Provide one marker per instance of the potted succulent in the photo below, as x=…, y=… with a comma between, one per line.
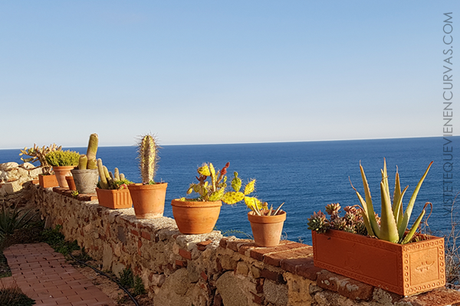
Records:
x=266, y=223
x=149, y=196
x=112, y=191
x=86, y=174
x=382, y=252
x=47, y=178
x=199, y=215
x=62, y=162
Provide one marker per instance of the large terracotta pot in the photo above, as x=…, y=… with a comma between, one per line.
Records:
x=85, y=180
x=403, y=269
x=61, y=172
x=119, y=198
x=267, y=229
x=195, y=217
x=148, y=200
x=47, y=181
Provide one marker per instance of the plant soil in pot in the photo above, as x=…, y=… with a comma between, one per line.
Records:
x=85, y=180
x=195, y=217
x=267, y=229
x=148, y=200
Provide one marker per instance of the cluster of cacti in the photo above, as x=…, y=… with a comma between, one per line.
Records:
x=351, y=222
x=148, y=158
x=88, y=160
x=109, y=180
x=210, y=191
x=62, y=158
x=393, y=222
x=38, y=154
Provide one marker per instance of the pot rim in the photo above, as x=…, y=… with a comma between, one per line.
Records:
x=186, y=203
x=266, y=219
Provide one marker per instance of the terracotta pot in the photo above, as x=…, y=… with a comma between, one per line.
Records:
x=85, y=180
x=70, y=182
x=119, y=198
x=267, y=229
x=61, y=172
x=47, y=181
x=148, y=200
x=403, y=269
x=195, y=217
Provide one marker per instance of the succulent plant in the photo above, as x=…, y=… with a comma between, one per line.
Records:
x=109, y=180
x=213, y=190
x=88, y=160
x=148, y=158
x=351, y=222
x=38, y=154
x=393, y=222
x=62, y=158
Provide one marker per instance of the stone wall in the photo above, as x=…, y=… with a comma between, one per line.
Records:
x=209, y=269
x=15, y=182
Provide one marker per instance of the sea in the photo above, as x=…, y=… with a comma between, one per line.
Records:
x=305, y=176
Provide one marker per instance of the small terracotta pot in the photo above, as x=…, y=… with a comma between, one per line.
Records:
x=195, y=217
x=267, y=229
x=85, y=180
x=70, y=182
x=47, y=181
x=119, y=198
x=61, y=172
x=148, y=200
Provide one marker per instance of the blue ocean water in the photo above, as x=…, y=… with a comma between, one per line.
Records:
x=305, y=175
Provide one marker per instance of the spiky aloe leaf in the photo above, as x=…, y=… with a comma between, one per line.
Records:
x=403, y=226
x=252, y=202
x=416, y=224
x=236, y=182
x=249, y=188
x=232, y=197
x=388, y=227
x=368, y=203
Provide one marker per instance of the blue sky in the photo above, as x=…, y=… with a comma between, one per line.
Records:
x=195, y=72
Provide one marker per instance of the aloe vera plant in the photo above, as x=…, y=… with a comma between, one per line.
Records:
x=393, y=222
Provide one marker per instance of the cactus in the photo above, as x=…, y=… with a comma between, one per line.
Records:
x=351, y=222
x=213, y=190
x=39, y=154
x=148, y=158
x=89, y=161
x=109, y=181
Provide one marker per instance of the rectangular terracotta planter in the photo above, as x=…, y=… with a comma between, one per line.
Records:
x=114, y=198
x=403, y=269
x=47, y=181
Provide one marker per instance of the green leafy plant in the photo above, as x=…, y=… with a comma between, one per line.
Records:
x=109, y=180
x=56, y=240
x=12, y=219
x=393, y=224
x=39, y=154
x=88, y=160
x=13, y=296
x=138, y=286
x=63, y=158
x=126, y=278
x=148, y=158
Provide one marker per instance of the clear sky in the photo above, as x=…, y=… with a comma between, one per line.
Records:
x=196, y=72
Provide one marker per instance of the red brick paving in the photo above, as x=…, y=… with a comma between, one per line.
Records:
x=45, y=276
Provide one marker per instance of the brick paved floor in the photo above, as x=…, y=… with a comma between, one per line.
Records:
x=45, y=276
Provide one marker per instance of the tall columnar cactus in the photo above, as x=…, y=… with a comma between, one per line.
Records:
x=109, y=180
x=89, y=161
x=148, y=158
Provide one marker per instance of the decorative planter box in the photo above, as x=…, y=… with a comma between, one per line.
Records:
x=114, y=198
x=403, y=269
x=47, y=181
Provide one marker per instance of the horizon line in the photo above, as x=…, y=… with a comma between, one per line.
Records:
x=261, y=142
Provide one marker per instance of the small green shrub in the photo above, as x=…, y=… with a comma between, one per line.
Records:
x=138, y=286
x=57, y=241
x=12, y=219
x=126, y=278
x=63, y=158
